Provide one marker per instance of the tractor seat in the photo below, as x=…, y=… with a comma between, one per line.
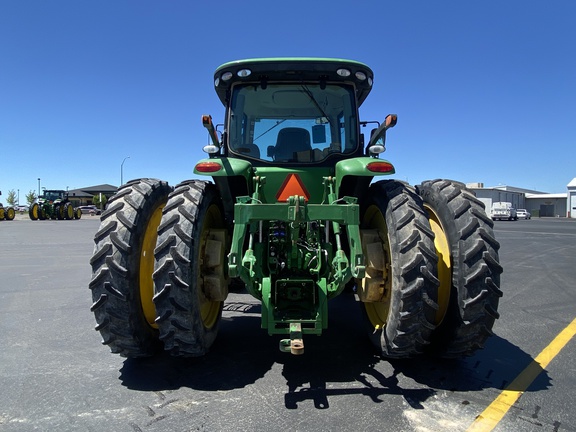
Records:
x=291, y=141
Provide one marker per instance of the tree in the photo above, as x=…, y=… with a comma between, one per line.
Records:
x=30, y=197
x=100, y=202
x=11, y=198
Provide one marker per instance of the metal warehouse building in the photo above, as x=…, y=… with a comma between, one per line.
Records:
x=572, y=199
x=539, y=204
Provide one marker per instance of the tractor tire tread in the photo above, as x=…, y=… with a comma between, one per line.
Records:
x=179, y=322
x=410, y=320
x=116, y=304
x=475, y=270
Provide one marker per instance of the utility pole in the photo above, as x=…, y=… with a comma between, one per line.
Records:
x=122, y=170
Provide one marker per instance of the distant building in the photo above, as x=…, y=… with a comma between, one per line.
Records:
x=538, y=203
x=83, y=196
x=547, y=205
x=489, y=195
x=572, y=199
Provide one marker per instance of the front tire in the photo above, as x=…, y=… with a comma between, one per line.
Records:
x=401, y=322
x=469, y=268
x=189, y=278
x=122, y=266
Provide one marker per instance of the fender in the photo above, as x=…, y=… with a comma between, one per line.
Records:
x=362, y=167
x=229, y=167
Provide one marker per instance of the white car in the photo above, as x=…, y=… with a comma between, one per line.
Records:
x=523, y=214
x=90, y=209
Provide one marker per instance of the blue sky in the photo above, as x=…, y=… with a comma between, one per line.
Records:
x=485, y=91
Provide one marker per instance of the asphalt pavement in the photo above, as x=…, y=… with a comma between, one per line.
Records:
x=56, y=375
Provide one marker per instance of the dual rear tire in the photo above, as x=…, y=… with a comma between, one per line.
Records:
x=444, y=272
x=147, y=281
x=158, y=278
x=61, y=211
x=7, y=213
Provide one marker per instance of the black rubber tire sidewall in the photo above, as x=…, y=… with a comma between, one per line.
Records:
x=9, y=213
x=177, y=265
x=115, y=265
x=414, y=266
x=476, y=271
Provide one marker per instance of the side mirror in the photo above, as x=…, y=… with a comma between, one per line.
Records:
x=377, y=141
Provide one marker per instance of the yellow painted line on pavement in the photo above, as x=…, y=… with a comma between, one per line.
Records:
x=492, y=415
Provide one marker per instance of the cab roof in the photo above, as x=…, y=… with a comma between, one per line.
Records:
x=293, y=69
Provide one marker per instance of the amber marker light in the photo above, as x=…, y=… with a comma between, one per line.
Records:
x=381, y=167
x=391, y=120
x=208, y=167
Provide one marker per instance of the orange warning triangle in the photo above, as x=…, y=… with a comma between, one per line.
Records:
x=292, y=186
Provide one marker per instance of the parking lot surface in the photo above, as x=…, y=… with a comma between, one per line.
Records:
x=55, y=374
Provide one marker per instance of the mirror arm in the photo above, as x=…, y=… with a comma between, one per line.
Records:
x=390, y=122
x=207, y=123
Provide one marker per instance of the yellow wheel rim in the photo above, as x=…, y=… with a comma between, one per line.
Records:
x=209, y=310
x=35, y=211
x=377, y=312
x=147, y=266
x=444, y=264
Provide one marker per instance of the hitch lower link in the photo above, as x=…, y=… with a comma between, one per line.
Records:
x=294, y=345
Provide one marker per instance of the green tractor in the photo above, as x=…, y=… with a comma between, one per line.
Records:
x=7, y=213
x=54, y=204
x=295, y=212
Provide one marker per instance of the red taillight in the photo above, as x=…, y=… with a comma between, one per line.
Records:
x=381, y=167
x=208, y=167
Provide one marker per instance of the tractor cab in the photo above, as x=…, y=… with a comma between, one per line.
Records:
x=53, y=195
x=297, y=111
x=292, y=121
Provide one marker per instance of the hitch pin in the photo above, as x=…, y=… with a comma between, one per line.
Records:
x=294, y=345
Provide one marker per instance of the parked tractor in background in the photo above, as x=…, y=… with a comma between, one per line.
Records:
x=54, y=204
x=7, y=213
x=294, y=211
